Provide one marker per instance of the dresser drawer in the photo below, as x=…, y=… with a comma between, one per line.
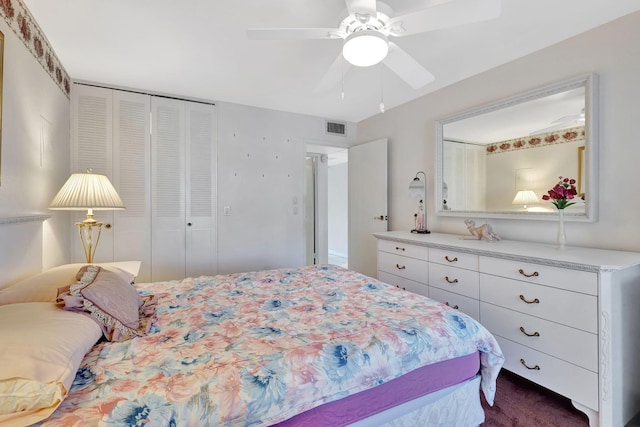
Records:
x=573, y=280
x=410, y=268
x=404, y=283
x=568, y=308
x=464, y=304
x=564, y=378
x=455, y=259
x=458, y=280
x=404, y=249
x=569, y=344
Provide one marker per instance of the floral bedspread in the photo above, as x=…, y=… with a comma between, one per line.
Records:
x=253, y=349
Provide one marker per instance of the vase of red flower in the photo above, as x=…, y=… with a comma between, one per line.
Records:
x=561, y=239
x=562, y=195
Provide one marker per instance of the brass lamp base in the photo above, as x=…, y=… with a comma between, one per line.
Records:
x=86, y=230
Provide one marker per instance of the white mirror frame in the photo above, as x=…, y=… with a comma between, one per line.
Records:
x=589, y=82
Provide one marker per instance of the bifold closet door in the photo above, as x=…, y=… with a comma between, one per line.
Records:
x=132, y=179
x=92, y=148
x=168, y=143
x=201, y=254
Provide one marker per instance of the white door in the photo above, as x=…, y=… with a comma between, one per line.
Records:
x=167, y=189
x=367, y=203
x=200, y=192
x=132, y=179
x=92, y=149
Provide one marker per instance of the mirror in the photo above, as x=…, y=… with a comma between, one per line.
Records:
x=498, y=160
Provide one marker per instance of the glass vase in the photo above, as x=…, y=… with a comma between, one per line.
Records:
x=562, y=237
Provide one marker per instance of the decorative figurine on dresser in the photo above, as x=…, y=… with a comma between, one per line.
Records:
x=477, y=233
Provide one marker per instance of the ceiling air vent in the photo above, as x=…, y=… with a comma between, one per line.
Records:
x=336, y=128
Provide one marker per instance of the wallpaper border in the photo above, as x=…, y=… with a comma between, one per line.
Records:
x=535, y=141
x=20, y=20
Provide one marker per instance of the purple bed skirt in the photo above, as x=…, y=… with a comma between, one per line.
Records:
x=410, y=386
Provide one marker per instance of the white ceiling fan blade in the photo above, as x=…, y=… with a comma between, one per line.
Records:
x=293, y=33
x=445, y=15
x=407, y=68
x=362, y=7
x=333, y=77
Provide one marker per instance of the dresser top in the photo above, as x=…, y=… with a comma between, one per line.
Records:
x=571, y=257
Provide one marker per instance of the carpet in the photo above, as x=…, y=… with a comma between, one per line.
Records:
x=521, y=403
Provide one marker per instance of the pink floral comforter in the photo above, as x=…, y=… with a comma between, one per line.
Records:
x=253, y=349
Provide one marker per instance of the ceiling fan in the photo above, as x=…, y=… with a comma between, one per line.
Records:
x=367, y=30
x=563, y=122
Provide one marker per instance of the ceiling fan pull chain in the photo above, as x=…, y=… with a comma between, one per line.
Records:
x=381, y=89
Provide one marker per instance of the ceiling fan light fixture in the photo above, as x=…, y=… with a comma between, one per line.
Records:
x=365, y=48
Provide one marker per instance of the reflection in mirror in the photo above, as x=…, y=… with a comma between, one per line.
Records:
x=499, y=160
x=1, y=72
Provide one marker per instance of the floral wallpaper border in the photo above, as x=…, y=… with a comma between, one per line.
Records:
x=20, y=20
x=536, y=141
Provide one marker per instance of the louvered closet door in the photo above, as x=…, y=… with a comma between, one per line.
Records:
x=92, y=148
x=167, y=189
x=201, y=190
x=132, y=179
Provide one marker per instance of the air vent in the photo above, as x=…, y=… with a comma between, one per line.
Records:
x=336, y=128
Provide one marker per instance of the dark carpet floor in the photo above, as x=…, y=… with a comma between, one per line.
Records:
x=521, y=403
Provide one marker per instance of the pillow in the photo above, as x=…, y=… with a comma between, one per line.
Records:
x=42, y=348
x=43, y=287
x=113, y=303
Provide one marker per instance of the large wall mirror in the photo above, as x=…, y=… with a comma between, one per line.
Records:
x=498, y=160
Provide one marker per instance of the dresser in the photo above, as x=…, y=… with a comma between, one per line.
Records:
x=565, y=319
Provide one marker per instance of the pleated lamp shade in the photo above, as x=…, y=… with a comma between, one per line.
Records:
x=87, y=191
x=525, y=197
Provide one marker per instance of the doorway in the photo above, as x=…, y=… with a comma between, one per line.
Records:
x=326, y=205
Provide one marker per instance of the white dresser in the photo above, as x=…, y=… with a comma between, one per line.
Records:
x=566, y=319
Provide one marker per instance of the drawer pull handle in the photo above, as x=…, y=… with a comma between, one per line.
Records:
x=535, y=334
x=449, y=259
x=535, y=368
x=399, y=267
x=452, y=306
x=534, y=301
x=449, y=280
x=398, y=286
x=534, y=274
x=400, y=249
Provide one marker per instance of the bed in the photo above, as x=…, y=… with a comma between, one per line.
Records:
x=318, y=345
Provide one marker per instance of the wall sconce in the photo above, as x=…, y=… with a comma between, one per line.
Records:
x=525, y=197
x=417, y=188
x=87, y=191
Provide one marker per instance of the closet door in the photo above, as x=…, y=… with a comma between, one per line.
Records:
x=201, y=190
x=92, y=128
x=167, y=189
x=132, y=179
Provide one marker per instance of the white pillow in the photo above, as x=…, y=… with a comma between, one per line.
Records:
x=42, y=348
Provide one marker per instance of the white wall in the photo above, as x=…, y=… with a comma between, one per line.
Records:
x=35, y=156
x=611, y=51
x=261, y=176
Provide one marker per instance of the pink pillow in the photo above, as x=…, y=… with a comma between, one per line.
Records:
x=112, y=302
x=43, y=287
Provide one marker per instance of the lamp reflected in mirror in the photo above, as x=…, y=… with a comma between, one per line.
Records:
x=524, y=198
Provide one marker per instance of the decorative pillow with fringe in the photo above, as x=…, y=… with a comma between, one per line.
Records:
x=112, y=302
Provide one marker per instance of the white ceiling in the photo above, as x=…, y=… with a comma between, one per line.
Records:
x=199, y=48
